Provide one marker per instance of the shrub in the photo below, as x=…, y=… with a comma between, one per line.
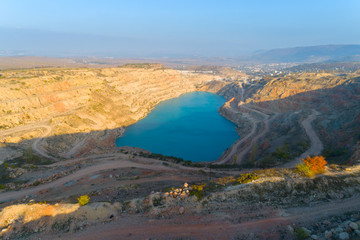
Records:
x=2, y=186
x=247, y=177
x=198, y=191
x=36, y=183
x=225, y=180
x=243, y=178
x=83, y=200
x=301, y=234
x=198, y=187
x=305, y=170
x=316, y=164
x=312, y=166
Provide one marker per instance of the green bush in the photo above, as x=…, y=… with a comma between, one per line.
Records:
x=301, y=234
x=247, y=177
x=282, y=152
x=198, y=191
x=2, y=186
x=36, y=183
x=304, y=170
x=83, y=200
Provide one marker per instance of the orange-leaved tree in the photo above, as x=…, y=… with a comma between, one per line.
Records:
x=316, y=164
x=312, y=166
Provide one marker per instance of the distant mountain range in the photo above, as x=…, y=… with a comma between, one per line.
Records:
x=311, y=54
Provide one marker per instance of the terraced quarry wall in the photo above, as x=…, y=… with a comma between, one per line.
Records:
x=277, y=107
x=72, y=102
x=82, y=111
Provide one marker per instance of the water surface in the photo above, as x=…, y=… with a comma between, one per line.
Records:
x=188, y=127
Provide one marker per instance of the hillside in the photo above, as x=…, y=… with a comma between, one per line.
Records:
x=272, y=114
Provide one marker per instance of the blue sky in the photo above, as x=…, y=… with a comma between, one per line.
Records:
x=135, y=28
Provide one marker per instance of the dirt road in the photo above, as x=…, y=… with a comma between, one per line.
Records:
x=229, y=156
x=236, y=147
x=36, y=146
x=316, y=144
x=223, y=225
x=11, y=195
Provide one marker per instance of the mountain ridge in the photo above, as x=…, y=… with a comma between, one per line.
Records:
x=308, y=54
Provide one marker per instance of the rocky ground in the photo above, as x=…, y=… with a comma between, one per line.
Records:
x=148, y=198
x=345, y=227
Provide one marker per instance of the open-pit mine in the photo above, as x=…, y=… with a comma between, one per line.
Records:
x=62, y=176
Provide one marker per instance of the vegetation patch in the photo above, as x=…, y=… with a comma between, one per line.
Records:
x=247, y=177
x=312, y=166
x=198, y=191
x=301, y=234
x=83, y=200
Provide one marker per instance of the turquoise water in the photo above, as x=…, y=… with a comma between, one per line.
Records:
x=188, y=127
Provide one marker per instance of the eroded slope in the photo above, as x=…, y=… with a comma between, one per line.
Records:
x=73, y=102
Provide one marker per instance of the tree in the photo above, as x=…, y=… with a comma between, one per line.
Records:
x=312, y=166
x=316, y=164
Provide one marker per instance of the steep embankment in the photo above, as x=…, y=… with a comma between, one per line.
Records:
x=78, y=101
x=277, y=108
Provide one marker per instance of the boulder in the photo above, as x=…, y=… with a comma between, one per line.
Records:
x=328, y=234
x=353, y=226
x=315, y=237
x=343, y=236
x=339, y=229
x=118, y=206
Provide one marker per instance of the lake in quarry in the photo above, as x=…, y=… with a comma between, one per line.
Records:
x=187, y=127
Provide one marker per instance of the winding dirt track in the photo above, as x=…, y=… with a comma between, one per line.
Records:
x=36, y=144
x=76, y=147
x=235, y=148
x=316, y=144
x=259, y=135
x=8, y=196
x=103, y=162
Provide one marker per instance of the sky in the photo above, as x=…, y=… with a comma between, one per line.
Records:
x=169, y=28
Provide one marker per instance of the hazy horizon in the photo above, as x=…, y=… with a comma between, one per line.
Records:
x=172, y=29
